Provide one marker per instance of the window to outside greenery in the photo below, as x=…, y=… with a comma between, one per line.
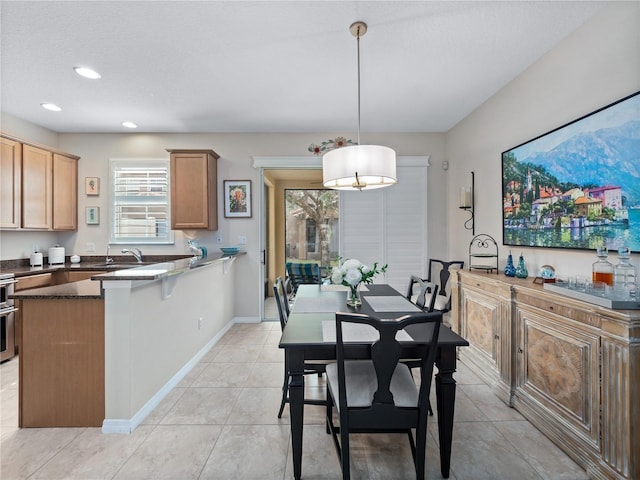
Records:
x=311, y=225
x=141, y=200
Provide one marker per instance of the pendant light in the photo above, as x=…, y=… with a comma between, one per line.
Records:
x=359, y=167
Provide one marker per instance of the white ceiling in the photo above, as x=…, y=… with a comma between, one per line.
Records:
x=267, y=66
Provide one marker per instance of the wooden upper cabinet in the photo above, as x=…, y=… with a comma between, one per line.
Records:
x=65, y=193
x=10, y=183
x=37, y=186
x=194, y=192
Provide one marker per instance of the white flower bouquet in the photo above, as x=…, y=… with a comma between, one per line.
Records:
x=351, y=274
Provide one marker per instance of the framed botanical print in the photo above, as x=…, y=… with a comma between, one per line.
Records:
x=92, y=215
x=237, y=198
x=92, y=185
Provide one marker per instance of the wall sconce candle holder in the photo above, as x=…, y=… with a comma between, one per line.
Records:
x=467, y=202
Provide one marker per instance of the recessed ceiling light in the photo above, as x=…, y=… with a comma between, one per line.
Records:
x=87, y=72
x=129, y=125
x=51, y=106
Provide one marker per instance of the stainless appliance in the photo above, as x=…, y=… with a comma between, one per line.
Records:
x=7, y=320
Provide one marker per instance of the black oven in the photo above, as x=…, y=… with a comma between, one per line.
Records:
x=7, y=317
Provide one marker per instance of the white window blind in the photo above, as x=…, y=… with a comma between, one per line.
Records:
x=141, y=201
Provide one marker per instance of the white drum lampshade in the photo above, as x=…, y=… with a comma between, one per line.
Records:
x=359, y=167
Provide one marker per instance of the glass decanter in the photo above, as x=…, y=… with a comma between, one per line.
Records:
x=624, y=273
x=602, y=270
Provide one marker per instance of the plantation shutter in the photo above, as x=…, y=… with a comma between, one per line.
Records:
x=389, y=225
x=141, y=201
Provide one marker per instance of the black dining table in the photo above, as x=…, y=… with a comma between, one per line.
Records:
x=303, y=339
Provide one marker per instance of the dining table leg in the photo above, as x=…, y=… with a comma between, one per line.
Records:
x=295, y=359
x=446, y=398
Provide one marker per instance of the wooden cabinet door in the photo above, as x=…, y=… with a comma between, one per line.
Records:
x=481, y=324
x=484, y=306
x=10, y=183
x=36, y=188
x=558, y=372
x=65, y=193
x=194, y=194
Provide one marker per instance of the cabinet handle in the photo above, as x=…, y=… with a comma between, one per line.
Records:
x=496, y=336
x=550, y=307
x=520, y=350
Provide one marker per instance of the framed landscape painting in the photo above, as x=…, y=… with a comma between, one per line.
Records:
x=577, y=186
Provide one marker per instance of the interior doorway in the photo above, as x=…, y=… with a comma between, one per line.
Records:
x=273, y=224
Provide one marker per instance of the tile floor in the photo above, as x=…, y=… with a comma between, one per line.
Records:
x=220, y=423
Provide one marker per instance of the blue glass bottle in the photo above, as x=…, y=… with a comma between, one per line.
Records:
x=509, y=269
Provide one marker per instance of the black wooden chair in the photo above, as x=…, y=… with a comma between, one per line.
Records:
x=299, y=273
x=422, y=292
x=440, y=273
x=311, y=367
x=284, y=300
x=380, y=395
x=425, y=298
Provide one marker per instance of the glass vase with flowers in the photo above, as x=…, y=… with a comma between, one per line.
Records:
x=352, y=273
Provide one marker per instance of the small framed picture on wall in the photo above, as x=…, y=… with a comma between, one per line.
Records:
x=92, y=185
x=237, y=198
x=93, y=215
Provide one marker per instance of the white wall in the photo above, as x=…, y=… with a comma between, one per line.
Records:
x=236, y=152
x=596, y=65
x=28, y=131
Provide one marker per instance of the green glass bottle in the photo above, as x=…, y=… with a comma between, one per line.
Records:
x=521, y=270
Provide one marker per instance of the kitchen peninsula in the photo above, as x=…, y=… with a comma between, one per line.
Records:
x=105, y=351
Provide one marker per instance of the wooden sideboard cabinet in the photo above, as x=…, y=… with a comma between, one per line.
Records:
x=574, y=366
x=194, y=190
x=39, y=187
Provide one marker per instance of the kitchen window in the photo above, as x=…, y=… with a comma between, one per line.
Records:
x=139, y=193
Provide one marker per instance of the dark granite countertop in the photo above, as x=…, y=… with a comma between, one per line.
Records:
x=84, y=289
x=21, y=268
x=130, y=271
x=160, y=270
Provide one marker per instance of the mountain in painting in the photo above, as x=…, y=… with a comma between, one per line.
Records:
x=609, y=156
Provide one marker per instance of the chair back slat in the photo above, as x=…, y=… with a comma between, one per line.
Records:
x=426, y=296
x=442, y=269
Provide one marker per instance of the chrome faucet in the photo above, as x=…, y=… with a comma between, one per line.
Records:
x=108, y=260
x=136, y=252
x=194, y=248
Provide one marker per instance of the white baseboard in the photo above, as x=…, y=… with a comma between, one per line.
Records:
x=246, y=320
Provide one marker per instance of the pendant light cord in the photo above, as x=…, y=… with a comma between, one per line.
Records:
x=358, y=47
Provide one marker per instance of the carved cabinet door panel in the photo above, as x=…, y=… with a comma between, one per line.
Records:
x=558, y=371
